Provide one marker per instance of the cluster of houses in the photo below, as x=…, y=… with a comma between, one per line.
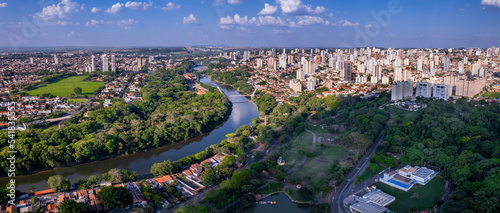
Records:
x=191, y=179
x=190, y=183
x=51, y=201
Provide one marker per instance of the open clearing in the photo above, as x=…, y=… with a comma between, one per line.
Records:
x=65, y=87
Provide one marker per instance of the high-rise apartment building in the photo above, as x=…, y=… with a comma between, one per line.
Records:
x=347, y=71
x=104, y=63
x=441, y=91
x=113, y=63
x=423, y=89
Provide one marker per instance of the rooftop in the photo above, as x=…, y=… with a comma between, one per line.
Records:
x=423, y=172
x=368, y=207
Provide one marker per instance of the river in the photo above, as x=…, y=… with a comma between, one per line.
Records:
x=283, y=204
x=242, y=113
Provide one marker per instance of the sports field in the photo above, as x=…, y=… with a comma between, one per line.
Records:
x=65, y=87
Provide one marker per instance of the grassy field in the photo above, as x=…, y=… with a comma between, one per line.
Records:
x=65, y=87
x=370, y=172
x=419, y=197
x=318, y=163
x=298, y=148
x=491, y=95
x=77, y=100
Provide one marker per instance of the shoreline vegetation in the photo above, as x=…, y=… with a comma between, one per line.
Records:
x=123, y=129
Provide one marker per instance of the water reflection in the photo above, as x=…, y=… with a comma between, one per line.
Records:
x=242, y=113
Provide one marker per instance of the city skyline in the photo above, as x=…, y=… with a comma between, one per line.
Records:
x=280, y=23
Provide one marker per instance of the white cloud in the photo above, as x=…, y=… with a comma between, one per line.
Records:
x=116, y=8
x=95, y=10
x=295, y=7
x=231, y=2
x=126, y=23
x=63, y=23
x=64, y=9
x=345, y=23
x=368, y=26
x=275, y=31
x=268, y=10
x=2, y=5
x=309, y=20
x=491, y=3
x=138, y=5
x=171, y=6
x=72, y=33
x=229, y=22
x=270, y=20
x=191, y=19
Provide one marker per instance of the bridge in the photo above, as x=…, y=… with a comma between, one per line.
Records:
x=251, y=96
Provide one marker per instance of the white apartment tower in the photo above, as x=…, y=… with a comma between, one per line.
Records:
x=441, y=91
x=104, y=63
x=113, y=63
x=424, y=89
x=93, y=63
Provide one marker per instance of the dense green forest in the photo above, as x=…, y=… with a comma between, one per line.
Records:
x=462, y=139
x=170, y=112
x=236, y=78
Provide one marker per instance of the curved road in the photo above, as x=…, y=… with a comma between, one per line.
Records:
x=347, y=185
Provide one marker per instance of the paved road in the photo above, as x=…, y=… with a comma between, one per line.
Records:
x=347, y=186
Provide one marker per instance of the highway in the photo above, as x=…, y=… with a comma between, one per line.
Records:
x=347, y=186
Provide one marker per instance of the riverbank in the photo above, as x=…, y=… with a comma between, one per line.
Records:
x=283, y=204
x=141, y=162
x=138, y=150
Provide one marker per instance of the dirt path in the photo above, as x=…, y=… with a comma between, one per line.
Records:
x=296, y=166
x=314, y=140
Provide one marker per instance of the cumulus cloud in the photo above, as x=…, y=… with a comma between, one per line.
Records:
x=268, y=10
x=296, y=7
x=138, y=5
x=229, y=22
x=231, y=2
x=72, y=33
x=62, y=10
x=95, y=10
x=116, y=8
x=491, y=3
x=63, y=23
x=191, y=19
x=2, y=5
x=345, y=23
x=126, y=23
x=275, y=31
x=309, y=20
x=171, y=6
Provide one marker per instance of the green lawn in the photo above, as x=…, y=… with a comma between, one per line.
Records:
x=373, y=169
x=419, y=197
x=65, y=87
x=315, y=167
x=491, y=95
x=298, y=148
x=77, y=100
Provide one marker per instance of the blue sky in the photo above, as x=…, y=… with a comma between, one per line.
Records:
x=254, y=23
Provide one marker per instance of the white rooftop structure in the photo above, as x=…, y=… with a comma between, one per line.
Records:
x=380, y=198
x=423, y=175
